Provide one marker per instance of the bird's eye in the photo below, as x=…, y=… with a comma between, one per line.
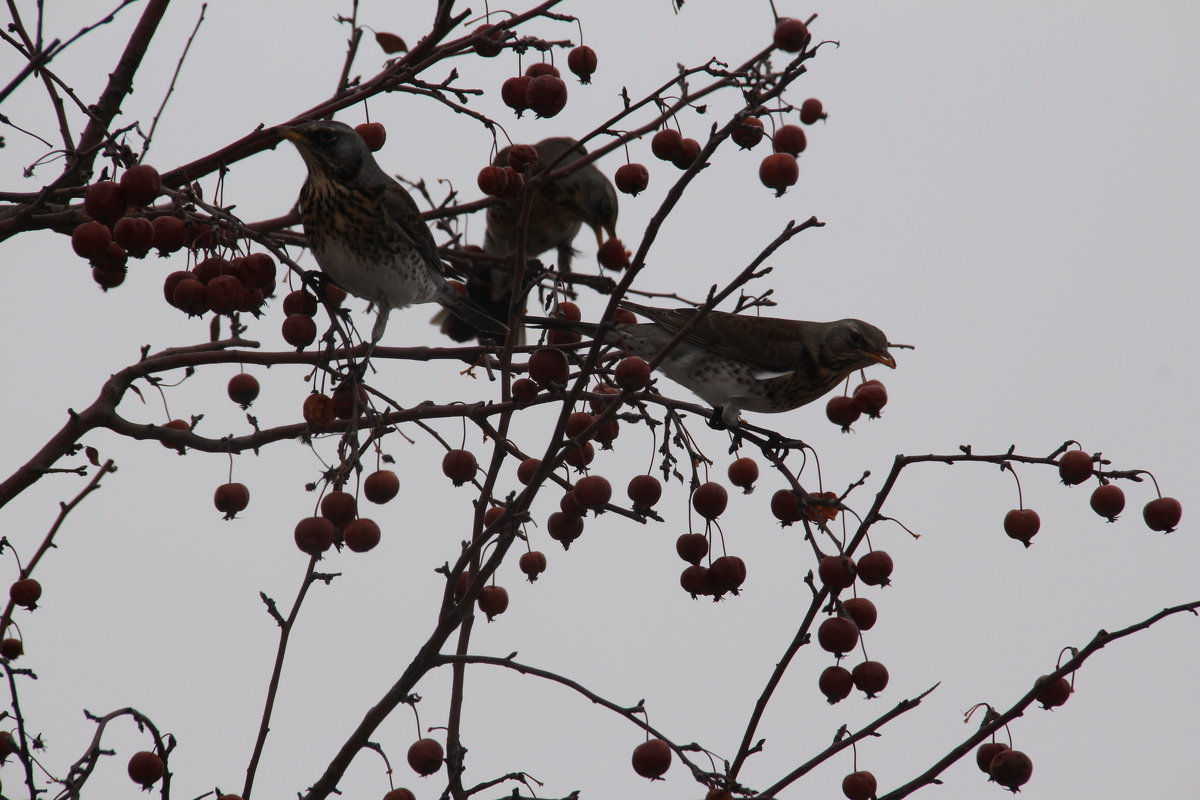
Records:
x=856, y=339
x=326, y=137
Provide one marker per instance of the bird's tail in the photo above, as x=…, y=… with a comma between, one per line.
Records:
x=559, y=324
x=471, y=314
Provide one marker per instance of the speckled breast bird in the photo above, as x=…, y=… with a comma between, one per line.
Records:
x=738, y=362
x=366, y=231
x=558, y=211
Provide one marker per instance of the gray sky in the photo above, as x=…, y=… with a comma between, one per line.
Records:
x=1009, y=187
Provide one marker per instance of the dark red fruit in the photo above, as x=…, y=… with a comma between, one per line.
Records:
x=875, y=568
x=837, y=572
x=314, y=535
x=493, y=601
x=542, y=68
x=835, y=683
x=1074, y=467
x=718, y=794
x=491, y=43
x=841, y=410
x=986, y=752
x=381, y=486
x=258, y=272
x=577, y=423
x=1011, y=769
x=696, y=581
x=527, y=469
x=870, y=677
x=112, y=262
x=862, y=611
x=373, y=133
x=1162, y=514
x=349, y=400
x=837, y=635
x=532, y=564
x=790, y=35
x=145, y=767
x=811, y=110
x=748, y=134
x=298, y=330
x=361, y=535
x=786, y=506
x=1022, y=524
x=514, y=92
x=521, y=156
x=300, y=302
x=789, y=139
x=107, y=280
x=1052, y=693
x=689, y=151
x=230, y=498
x=174, y=280
x=582, y=61
x=318, y=410
x=692, y=547
x=666, y=144
x=564, y=528
x=593, y=492
x=651, y=759
x=25, y=592
x=224, y=294
x=105, y=202
x=91, y=239
x=459, y=466
x=579, y=457
x=644, y=491
x=394, y=794
x=425, y=756
x=546, y=95
x=339, y=507
x=135, y=234
x=870, y=397
x=710, y=500
x=10, y=650
x=169, y=234
x=613, y=255
x=778, y=171
x=176, y=425
x=727, y=574
x=1108, y=501
x=493, y=181
x=632, y=373
x=632, y=178
x=524, y=390
x=743, y=473
x=859, y=786
x=548, y=366
x=141, y=185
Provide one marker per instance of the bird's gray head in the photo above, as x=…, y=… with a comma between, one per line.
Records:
x=591, y=191
x=331, y=150
x=851, y=344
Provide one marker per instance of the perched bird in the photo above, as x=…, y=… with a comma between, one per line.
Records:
x=366, y=231
x=557, y=212
x=738, y=362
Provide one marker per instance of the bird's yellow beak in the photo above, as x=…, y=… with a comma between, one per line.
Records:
x=883, y=358
x=601, y=230
x=291, y=134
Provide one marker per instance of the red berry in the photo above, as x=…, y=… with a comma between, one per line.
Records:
x=141, y=185
x=719, y=794
x=789, y=139
x=692, y=547
x=145, y=768
x=748, y=134
x=986, y=752
x=374, y=134
x=859, y=786
x=710, y=500
x=837, y=572
x=176, y=425
x=381, y=486
x=579, y=457
x=339, y=507
x=514, y=92
x=361, y=535
x=727, y=574
x=493, y=601
x=298, y=330
x=91, y=239
x=542, y=68
x=524, y=390
x=778, y=171
x=394, y=794
x=548, y=366
x=318, y=410
x=837, y=635
x=743, y=473
x=172, y=281
x=644, y=491
x=25, y=592
x=112, y=262
x=521, y=156
x=1074, y=467
x=169, y=234
x=811, y=110
x=230, y=498
x=300, y=302
x=841, y=410
x=862, y=611
x=582, y=61
x=875, y=568
x=651, y=759
x=349, y=400
x=632, y=373
x=689, y=151
x=258, y=272
x=786, y=506
x=532, y=564
x=425, y=756
x=493, y=181
x=1052, y=693
x=527, y=469
x=224, y=294
x=492, y=42
x=666, y=144
x=1022, y=524
x=632, y=178
x=104, y=201
x=613, y=255
x=1108, y=501
x=870, y=397
x=696, y=581
x=835, y=683
x=577, y=423
x=135, y=234
x=107, y=280
x=546, y=95
x=1011, y=769
x=870, y=677
x=593, y=492
x=1162, y=514
x=459, y=466
x=790, y=34
x=10, y=650
x=314, y=535
x=568, y=311
x=564, y=528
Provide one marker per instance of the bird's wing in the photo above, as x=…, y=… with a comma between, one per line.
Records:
x=405, y=219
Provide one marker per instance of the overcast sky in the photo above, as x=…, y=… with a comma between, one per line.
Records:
x=1011, y=187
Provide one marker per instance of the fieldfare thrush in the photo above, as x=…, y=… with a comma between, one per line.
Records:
x=558, y=211
x=738, y=362
x=366, y=231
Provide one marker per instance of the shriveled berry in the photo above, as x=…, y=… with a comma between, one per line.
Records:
x=862, y=611
x=140, y=185
x=651, y=759
x=666, y=144
x=710, y=500
x=789, y=139
x=812, y=110
x=778, y=171
x=790, y=34
x=835, y=683
x=314, y=535
x=425, y=756
x=582, y=61
x=361, y=535
x=459, y=466
x=837, y=635
x=644, y=491
x=632, y=178
x=1108, y=501
x=870, y=677
x=532, y=564
x=748, y=134
x=381, y=486
x=145, y=768
x=1022, y=524
x=91, y=239
x=1162, y=514
x=875, y=568
x=391, y=44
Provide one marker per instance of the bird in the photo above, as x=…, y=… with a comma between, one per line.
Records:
x=739, y=362
x=366, y=232
x=558, y=211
